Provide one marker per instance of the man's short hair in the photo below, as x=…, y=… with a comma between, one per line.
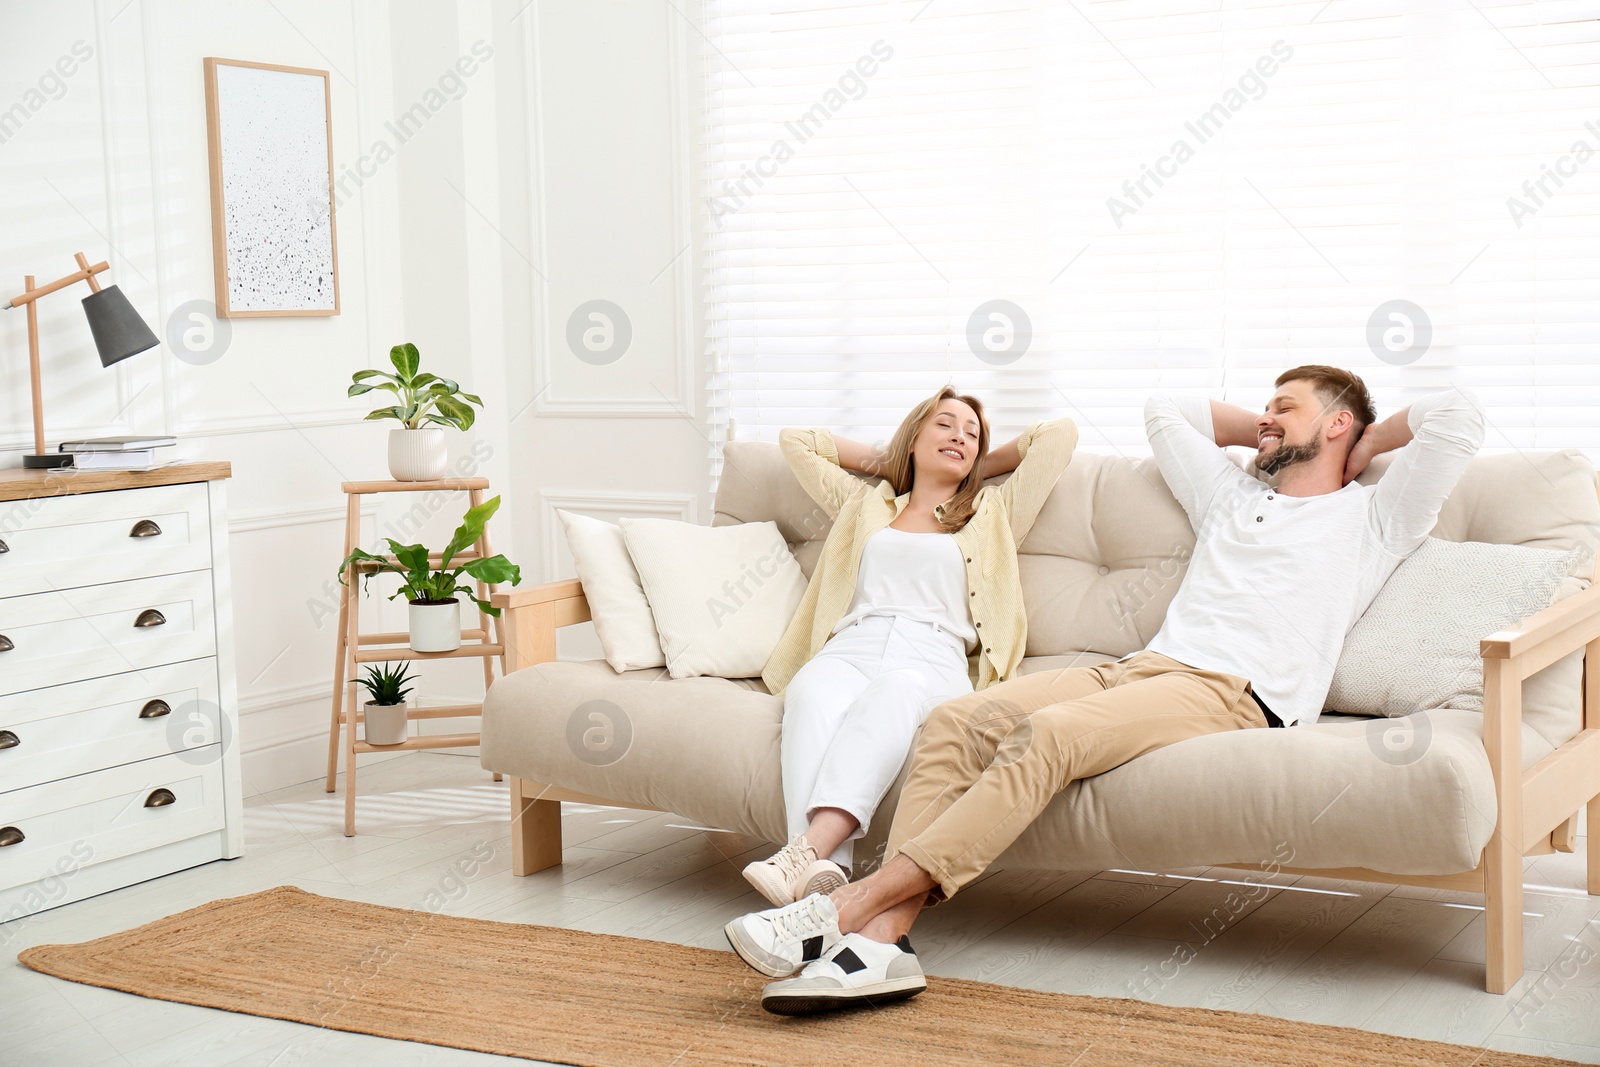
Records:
x=1339, y=389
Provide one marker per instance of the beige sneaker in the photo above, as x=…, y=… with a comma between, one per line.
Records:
x=794, y=873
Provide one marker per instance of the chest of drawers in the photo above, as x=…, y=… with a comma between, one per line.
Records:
x=119, y=757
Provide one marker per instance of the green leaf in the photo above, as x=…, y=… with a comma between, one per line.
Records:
x=494, y=570
x=405, y=359
x=483, y=605
x=415, y=560
x=387, y=686
x=455, y=412
x=471, y=398
x=357, y=390
x=363, y=375
x=424, y=379
x=385, y=413
x=470, y=530
x=358, y=556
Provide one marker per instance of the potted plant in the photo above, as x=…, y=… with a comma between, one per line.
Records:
x=385, y=714
x=425, y=403
x=431, y=586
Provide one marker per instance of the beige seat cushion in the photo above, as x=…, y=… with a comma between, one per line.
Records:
x=708, y=749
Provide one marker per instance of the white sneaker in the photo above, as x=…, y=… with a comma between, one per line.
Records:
x=780, y=941
x=856, y=972
x=794, y=873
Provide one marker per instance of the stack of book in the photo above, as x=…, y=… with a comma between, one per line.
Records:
x=118, y=453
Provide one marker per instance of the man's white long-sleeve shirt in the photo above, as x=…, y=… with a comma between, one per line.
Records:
x=1276, y=581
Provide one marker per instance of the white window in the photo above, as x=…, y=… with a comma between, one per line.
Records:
x=1175, y=197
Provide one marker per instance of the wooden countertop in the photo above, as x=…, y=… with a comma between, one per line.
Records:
x=19, y=483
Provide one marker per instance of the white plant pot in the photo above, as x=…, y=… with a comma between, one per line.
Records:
x=385, y=723
x=417, y=455
x=435, y=627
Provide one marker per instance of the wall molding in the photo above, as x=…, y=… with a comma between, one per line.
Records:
x=283, y=761
x=546, y=400
x=273, y=518
x=287, y=696
x=685, y=218
x=620, y=503
x=276, y=422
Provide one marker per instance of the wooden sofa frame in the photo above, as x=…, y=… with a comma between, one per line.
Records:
x=1536, y=809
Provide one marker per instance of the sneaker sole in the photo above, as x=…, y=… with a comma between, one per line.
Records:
x=873, y=996
x=822, y=882
x=757, y=957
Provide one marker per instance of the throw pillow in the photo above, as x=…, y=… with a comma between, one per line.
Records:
x=617, y=603
x=1416, y=646
x=722, y=596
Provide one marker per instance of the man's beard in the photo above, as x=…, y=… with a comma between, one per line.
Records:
x=1287, y=455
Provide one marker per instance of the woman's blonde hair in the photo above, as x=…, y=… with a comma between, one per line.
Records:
x=901, y=471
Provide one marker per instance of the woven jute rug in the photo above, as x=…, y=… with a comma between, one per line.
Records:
x=597, y=1000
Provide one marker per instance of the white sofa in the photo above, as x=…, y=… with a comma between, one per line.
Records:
x=1459, y=809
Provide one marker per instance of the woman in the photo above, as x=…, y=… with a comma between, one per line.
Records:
x=915, y=600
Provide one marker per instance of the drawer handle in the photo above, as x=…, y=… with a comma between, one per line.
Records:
x=9, y=739
x=149, y=617
x=145, y=528
x=160, y=798
x=155, y=709
x=5, y=643
x=10, y=835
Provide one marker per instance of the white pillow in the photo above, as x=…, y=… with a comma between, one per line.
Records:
x=622, y=618
x=722, y=596
x=1416, y=646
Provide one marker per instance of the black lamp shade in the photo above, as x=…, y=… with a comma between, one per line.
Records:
x=118, y=330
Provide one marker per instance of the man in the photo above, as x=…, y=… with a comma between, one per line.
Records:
x=1279, y=574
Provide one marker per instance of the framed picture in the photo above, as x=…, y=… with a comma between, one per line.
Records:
x=272, y=207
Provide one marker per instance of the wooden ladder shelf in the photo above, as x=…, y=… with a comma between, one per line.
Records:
x=485, y=640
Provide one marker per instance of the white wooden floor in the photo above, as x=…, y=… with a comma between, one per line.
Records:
x=1401, y=961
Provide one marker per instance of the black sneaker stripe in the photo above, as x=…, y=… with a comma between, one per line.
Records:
x=904, y=944
x=811, y=949
x=848, y=961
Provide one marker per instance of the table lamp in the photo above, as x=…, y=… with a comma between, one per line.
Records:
x=118, y=331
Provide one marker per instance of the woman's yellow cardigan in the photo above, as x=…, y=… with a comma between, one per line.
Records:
x=988, y=542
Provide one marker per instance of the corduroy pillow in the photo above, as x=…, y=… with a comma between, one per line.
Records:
x=1416, y=646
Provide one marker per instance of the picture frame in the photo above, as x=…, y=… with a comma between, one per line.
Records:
x=275, y=249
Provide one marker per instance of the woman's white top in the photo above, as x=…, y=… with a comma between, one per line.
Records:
x=917, y=576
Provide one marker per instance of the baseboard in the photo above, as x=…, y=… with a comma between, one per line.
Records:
x=297, y=759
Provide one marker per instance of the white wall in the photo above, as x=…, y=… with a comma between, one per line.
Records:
x=552, y=175
x=599, y=122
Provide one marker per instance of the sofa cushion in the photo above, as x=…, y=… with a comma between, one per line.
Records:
x=1319, y=796
x=707, y=749
x=622, y=619
x=721, y=598
x=1104, y=558
x=1416, y=647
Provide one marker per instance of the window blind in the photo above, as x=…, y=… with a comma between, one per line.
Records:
x=1174, y=196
